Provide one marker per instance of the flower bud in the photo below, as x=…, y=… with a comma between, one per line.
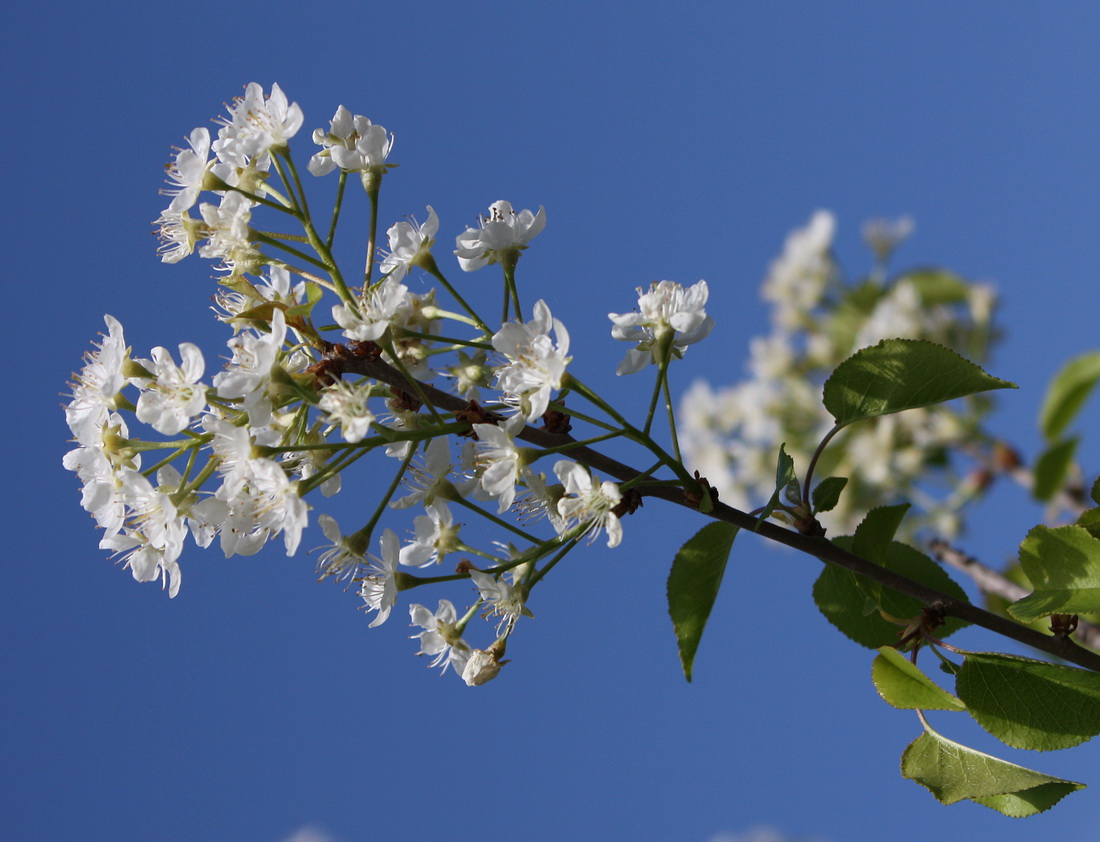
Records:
x=481, y=667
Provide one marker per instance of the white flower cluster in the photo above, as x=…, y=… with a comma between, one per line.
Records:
x=732, y=433
x=292, y=410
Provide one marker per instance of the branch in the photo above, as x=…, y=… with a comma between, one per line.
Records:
x=819, y=547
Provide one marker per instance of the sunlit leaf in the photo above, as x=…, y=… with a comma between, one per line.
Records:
x=1030, y=704
x=1063, y=565
x=902, y=685
x=693, y=585
x=1067, y=393
x=954, y=773
x=900, y=374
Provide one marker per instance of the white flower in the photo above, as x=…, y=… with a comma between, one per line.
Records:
x=153, y=537
x=179, y=234
x=501, y=237
x=227, y=232
x=410, y=245
x=499, y=461
x=340, y=560
x=797, y=278
x=536, y=365
x=188, y=171
x=665, y=308
x=586, y=502
x=145, y=562
x=388, y=302
x=436, y=537
x=428, y=480
x=502, y=599
x=101, y=473
x=440, y=639
x=541, y=500
x=345, y=405
x=174, y=396
x=351, y=143
x=264, y=504
x=884, y=235
x=256, y=126
x=469, y=374
x=248, y=374
x=97, y=384
x=379, y=587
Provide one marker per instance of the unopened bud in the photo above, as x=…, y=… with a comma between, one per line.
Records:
x=481, y=667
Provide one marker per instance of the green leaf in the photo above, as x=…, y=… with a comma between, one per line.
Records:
x=693, y=585
x=1090, y=521
x=937, y=286
x=872, y=540
x=1051, y=468
x=1067, y=393
x=875, y=532
x=954, y=773
x=313, y=295
x=1063, y=565
x=1030, y=704
x=784, y=476
x=902, y=685
x=1095, y=493
x=826, y=494
x=900, y=374
x=838, y=596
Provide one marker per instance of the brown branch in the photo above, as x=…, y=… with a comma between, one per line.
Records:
x=820, y=548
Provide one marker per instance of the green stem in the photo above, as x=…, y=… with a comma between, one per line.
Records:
x=664, y=348
x=372, y=183
x=337, y=205
x=429, y=265
x=813, y=464
x=368, y=529
x=672, y=423
x=546, y=568
x=636, y=435
x=319, y=246
x=462, y=501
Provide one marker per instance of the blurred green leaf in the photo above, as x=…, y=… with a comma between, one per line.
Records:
x=1067, y=393
x=1030, y=704
x=693, y=585
x=900, y=374
x=937, y=286
x=1051, y=468
x=953, y=773
x=902, y=685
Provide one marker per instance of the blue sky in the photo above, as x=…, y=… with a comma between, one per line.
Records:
x=663, y=145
